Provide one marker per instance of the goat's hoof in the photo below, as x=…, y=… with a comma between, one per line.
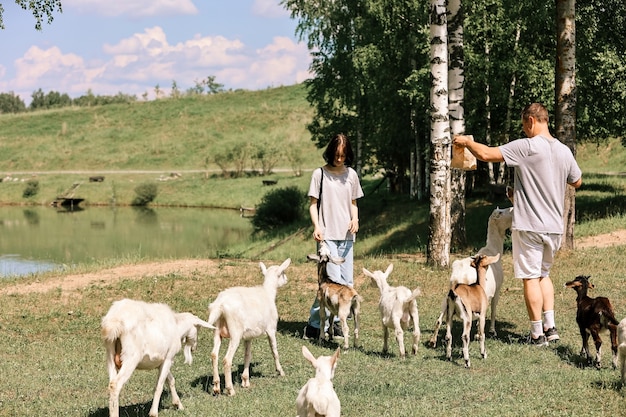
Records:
x=230, y=392
x=467, y=364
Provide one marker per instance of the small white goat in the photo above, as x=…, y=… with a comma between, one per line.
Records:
x=245, y=313
x=139, y=335
x=621, y=348
x=462, y=272
x=466, y=302
x=398, y=310
x=317, y=398
x=340, y=300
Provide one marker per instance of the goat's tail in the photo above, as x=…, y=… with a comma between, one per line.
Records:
x=112, y=329
x=416, y=293
x=215, y=312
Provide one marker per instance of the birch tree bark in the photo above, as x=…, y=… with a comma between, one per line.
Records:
x=565, y=100
x=456, y=96
x=438, y=251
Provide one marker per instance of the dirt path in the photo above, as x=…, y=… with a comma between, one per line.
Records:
x=75, y=282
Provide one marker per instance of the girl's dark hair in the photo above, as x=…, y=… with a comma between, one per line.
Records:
x=340, y=141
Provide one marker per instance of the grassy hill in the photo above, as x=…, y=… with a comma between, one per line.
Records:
x=175, y=143
x=169, y=134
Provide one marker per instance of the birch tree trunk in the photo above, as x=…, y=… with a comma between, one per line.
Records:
x=565, y=101
x=438, y=251
x=456, y=96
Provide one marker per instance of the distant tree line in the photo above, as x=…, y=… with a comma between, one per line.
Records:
x=13, y=103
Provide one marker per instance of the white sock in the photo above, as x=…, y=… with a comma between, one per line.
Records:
x=548, y=320
x=536, y=329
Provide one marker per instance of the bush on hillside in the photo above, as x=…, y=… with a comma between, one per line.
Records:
x=278, y=208
x=31, y=189
x=145, y=193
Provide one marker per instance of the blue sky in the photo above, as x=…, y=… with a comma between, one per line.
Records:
x=131, y=46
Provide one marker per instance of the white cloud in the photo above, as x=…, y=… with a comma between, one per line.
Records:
x=133, y=8
x=269, y=8
x=138, y=63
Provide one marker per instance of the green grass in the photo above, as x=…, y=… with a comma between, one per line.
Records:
x=53, y=360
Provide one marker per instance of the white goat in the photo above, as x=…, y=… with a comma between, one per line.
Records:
x=462, y=272
x=139, y=335
x=245, y=313
x=398, y=308
x=466, y=302
x=317, y=398
x=621, y=348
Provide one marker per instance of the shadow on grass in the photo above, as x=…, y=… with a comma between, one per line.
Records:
x=206, y=381
x=615, y=385
x=138, y=410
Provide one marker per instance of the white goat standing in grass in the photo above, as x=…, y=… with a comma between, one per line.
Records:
x=139, y=335
x=467, y=302
x=621, y=348
x=462, y=272
x=398, y=310
x=245, y=313
x=317, y=398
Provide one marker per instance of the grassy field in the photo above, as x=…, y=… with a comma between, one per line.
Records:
x=52, y=357
x=53, y=360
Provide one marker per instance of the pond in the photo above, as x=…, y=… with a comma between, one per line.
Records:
x=34, y=239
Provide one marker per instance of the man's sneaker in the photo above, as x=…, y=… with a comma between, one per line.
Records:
x=311, y=332
x=540, y=341
x=551, y=334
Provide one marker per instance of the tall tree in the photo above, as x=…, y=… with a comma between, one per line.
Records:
x=565, y=99
x=438, y=251
x=456, y=97
x=39, y=8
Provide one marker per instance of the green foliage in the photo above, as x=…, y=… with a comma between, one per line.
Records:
x=51, y=100
x=31, y=189
x=145, y=194
x=371, y=72
x=11, y=103
x=39, y=8
x=279, y=207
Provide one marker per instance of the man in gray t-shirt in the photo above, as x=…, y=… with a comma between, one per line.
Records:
x=543, y=166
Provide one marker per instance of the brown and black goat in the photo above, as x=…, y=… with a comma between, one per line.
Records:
x=594, y=316
x=340, y=300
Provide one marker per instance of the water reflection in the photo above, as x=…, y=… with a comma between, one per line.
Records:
x=44, y=237
x=14, y=265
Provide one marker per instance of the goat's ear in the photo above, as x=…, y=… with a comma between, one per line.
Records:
x=368, y=273
x=335, y=356
x=492, y=259
x=313, y=257
x=284, y=265
x=389, y=269
x=308, y=355
x=263, y=267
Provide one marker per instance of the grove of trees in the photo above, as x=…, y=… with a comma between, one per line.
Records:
x=399, y=77
x=371, y=65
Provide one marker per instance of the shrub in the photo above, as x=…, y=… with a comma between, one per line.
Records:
x=279, y=207
x=146, y=193
x=31, y=189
